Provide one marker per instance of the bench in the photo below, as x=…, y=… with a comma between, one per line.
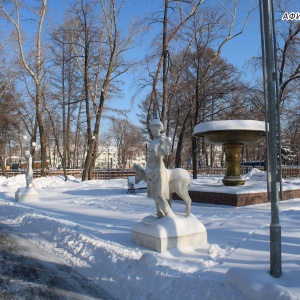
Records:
x=132, y=186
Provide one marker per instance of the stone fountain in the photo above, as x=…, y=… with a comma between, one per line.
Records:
x=233, y=135
x=232, y=190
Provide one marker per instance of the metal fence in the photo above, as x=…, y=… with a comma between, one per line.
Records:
x=291, y=172
x=287, y=171
x=97, y=174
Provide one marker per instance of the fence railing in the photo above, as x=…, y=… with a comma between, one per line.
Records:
x=287, y=171
x=97, y=174
x=291, y=172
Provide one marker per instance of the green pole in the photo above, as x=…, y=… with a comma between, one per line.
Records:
x=271, y=77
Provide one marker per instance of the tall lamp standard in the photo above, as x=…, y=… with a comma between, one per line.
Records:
x=268, y=41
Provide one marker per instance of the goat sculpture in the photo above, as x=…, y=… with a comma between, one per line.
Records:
x=179, y=182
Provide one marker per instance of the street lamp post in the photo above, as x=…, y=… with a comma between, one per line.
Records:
x=270, y=81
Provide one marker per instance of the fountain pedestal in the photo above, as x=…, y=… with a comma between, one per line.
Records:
x=233, y=159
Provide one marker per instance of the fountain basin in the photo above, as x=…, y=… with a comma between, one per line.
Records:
x=233, y=135
x=231, y=131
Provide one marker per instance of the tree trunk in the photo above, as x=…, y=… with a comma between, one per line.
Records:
x=178, y=161
x=3, y=168
x=90, y=141
x=178, y=152
x=39, y=118
x=194, y=157
x=165, y=71
x=36, y=73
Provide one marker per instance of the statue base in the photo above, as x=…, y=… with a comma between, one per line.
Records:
x=27, y=194
x=171, y=231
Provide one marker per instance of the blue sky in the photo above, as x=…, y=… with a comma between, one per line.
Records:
x=238, y=51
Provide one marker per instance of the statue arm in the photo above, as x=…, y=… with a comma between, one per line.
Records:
x=166, y=144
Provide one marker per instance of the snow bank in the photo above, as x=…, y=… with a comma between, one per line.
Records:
x=88, y=225
x=260, y=285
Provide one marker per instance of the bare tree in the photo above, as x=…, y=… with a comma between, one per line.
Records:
x=33, y=65
x=65, y=90
x=288, y=49
x=288, y=66
x=128, y=139
x=189, y=26
x=226, y=23
x=9, y=123
x=98, y=48
x=182, y=11
x=218, y=90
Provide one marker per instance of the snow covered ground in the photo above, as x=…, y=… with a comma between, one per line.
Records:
x=87, y=225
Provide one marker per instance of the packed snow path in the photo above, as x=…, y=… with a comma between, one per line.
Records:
x=30, y=272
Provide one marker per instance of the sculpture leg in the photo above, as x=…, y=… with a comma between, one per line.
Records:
x=162, y=207
x=170, y=200
x=184, y=195
x=159, y=211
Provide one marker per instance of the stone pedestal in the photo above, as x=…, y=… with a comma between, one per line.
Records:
x=171, y=231
x=27, y=194
x=233, y=160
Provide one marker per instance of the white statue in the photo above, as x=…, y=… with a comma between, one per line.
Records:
x=29, y=172
x=161, y=182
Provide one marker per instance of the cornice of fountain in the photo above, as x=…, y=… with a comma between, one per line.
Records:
x=231, y=131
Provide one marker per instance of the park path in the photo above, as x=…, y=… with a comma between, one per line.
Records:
x=28, y=272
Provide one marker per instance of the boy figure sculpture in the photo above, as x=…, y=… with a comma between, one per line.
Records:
x=156, y=172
